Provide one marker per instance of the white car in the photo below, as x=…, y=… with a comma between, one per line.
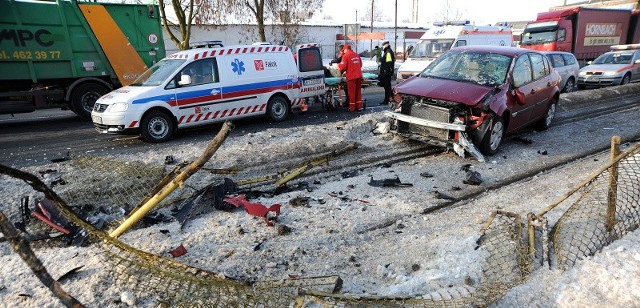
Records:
x=567, y=66
x=617, y=67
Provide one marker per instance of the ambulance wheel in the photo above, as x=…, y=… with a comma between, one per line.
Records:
x=156, y=126
x=277, y=109
x=85, y=96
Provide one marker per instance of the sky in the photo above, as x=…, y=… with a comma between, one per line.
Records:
x=478, y=12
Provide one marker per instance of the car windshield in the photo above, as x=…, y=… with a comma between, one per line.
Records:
x=531, y=38
x=488, y=69
x=430, y=48
x=158, y=73
x=614, y=58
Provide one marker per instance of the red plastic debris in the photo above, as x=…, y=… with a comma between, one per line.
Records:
x=178, y=251
x=255, y=209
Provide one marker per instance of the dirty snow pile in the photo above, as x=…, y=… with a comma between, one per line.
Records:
x=377, y=239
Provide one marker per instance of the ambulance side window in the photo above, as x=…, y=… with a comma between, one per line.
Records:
x=201, y=72
x=461, y=43
x=309, y=59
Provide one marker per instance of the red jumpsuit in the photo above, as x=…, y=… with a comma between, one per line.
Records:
x=352, y=64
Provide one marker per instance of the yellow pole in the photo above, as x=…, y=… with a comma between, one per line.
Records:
x=176, y=182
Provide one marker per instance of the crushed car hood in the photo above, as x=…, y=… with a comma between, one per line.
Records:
x=444, y=89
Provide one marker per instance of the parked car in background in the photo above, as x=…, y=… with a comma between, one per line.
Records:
x=470, y=97
x=617, y=67
x=567, y=66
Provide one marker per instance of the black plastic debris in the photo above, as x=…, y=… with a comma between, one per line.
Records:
x=169, y=160
x=386, y=165
x=522, y=140
x=49, y=213
x=389, y=182
x=456, y=188
x=59, y=159
x=349, y=174
x=426, y=175
x=473, y=178
x=543, y=152
x=200, y=202
x=465, y=167
x=299, y=201
x=70, y=274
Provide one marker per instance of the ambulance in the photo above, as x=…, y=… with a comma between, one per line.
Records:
x=441, y=38
x=206, y=85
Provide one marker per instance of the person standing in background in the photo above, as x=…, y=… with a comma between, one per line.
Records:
x=387, y=66
x=352, y=65
x=377, y=53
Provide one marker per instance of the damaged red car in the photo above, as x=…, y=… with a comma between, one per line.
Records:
x=471, y=97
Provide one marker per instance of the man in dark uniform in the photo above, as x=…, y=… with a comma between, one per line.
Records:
x=387, y=66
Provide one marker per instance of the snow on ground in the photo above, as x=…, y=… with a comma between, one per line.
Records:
x=377, y=239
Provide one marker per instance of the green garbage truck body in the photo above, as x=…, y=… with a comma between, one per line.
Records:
x=66, y=54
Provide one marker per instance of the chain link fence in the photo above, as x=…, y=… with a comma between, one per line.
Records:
x=605, y=208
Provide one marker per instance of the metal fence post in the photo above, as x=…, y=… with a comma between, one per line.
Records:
x=612, y=194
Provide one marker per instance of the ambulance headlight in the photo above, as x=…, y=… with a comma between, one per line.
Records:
x=119, y=107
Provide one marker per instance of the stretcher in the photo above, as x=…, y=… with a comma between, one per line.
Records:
x=334, y=96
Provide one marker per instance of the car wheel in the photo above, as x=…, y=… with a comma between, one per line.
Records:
x=85, y=96
x=156, y=126
x=545, y=122
x=568, y=87
x=626, y=79
x=277, y=109
x=493, y=137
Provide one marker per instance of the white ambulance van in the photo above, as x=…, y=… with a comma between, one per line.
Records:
x=206, y=85
x=442, y=37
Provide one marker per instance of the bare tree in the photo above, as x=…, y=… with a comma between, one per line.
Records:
x=377, y=14
x=184, y=17
x=449, y=13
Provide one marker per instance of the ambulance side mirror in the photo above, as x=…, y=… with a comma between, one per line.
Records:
x=184, y=80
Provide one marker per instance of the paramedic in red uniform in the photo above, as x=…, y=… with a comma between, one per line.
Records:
x=352, y=65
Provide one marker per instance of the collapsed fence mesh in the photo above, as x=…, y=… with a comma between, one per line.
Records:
x=607, y=207
x=584, y=229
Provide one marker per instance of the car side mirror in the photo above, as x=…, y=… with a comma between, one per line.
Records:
x=519, y=96
x=589, y=62
x=184, y=80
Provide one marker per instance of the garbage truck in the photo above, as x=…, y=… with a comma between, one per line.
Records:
x=67, y=54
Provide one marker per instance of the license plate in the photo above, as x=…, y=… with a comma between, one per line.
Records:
x=96, y=119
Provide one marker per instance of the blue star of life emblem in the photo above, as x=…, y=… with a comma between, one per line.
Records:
x=238, y=66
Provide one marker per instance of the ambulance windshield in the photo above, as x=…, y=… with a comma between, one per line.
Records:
x=158, y=73
x=431, y=48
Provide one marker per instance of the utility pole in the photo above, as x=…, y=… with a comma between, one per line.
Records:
x=371, y=40
x=395, y=30
x=357, y=30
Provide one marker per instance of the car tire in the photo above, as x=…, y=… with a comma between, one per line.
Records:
x=85, y=96
x=493, y=137
x=277, y=109
x=156, y=126
x=626, y=79
x=545, y=122
x=568, y=87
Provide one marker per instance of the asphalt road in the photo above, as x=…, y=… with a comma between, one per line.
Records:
x=36, y=138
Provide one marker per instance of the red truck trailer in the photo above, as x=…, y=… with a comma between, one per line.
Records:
x=585, y=32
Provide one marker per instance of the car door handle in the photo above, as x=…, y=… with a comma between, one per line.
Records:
x=549, y=84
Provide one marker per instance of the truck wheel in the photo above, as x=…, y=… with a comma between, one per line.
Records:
x=156, y=126
x=493, y=136
x=626, y=79
x=568, y=87
x=545, y=122
x=85, y=96
x=277, y=109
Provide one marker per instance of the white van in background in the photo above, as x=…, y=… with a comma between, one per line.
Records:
x=442, y=37
x=206, y=85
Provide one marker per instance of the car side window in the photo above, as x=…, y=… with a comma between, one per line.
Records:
x=570, y=60
x=538, y=65
x=557, y=60
x=522, y=71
